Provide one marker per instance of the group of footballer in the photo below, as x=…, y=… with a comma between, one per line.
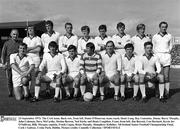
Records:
x=118, y=62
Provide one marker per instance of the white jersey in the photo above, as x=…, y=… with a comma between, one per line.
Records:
x=65, y=41
x=120, y=42
x=138, y=43
x=162, y=44
x=35, y=41
x=149, y=64
x=46, y=39
x=129, y=64
x=73, y=66
x=98, y=41
x=23, y=64
x=111, y=64
x=82, y=44
x=54, y=64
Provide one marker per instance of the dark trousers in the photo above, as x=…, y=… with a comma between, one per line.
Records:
x=9, y=80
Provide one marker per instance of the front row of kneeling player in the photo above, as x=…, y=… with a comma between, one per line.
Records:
x=109, y=69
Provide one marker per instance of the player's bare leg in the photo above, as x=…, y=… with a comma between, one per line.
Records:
x=166, y=71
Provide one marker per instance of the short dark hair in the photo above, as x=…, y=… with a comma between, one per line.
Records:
x=110, y=41
x=48, y=22
x=68, y=23
x=90, y=45
x=102, y=27
x=140, y=26
x=148, y=43
x=72, y=47
x=129, y=45
x=22, y=44
x=85, y=28
x=34, y=27
x=163, y=22
x=120, y=24
x=53, y=44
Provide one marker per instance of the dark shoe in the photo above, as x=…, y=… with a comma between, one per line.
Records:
x=116, y=98
x=95, y=98
x=26, y=98
x=48, y=93
x=10, y=95
x=157, y=95
x=166, y=96
x=144, y=99
x=68, y=97
x=135, y=98
x=102, y=97
x=122, y=98
x=81, y=99
x=56, y=100
x=162, y=100
x=34, y=99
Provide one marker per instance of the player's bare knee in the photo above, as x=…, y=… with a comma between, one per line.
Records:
x=136, y=79
x=116, y=81
x=83, y=80
x=141, y=79
x=103, y=80
x=161, y=78
x=122, y=79
x=25, y=81
x=76, y=80
x=166, y=78
x=95, y=82
x=38, y=82
x=64, y=81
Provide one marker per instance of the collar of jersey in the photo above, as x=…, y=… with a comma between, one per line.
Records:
x=104, y=37
x=53, y=32
x=121, y=36
x=112, y=53
x=129, y=58
x=68, y=37
x=20, y=57
x=140, y=37
x=148, y=57
x=162, y=35
x=85, y=39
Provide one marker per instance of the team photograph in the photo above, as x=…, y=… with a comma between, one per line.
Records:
x=101, y=67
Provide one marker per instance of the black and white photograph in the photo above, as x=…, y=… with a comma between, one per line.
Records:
x=90, y=58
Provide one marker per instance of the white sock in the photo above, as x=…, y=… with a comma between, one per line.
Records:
x=135, y=90
x=25, y=88
x=57, y=89
x=116, y=90
x=76, y=91
x=95, y=89
x=67, y=90
x=37, y=90
x=143, y=90
x=122, y=90
x=167, y=85
x=83, y=89
x=60, y=94
x=101, y=89
x=161, y=90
